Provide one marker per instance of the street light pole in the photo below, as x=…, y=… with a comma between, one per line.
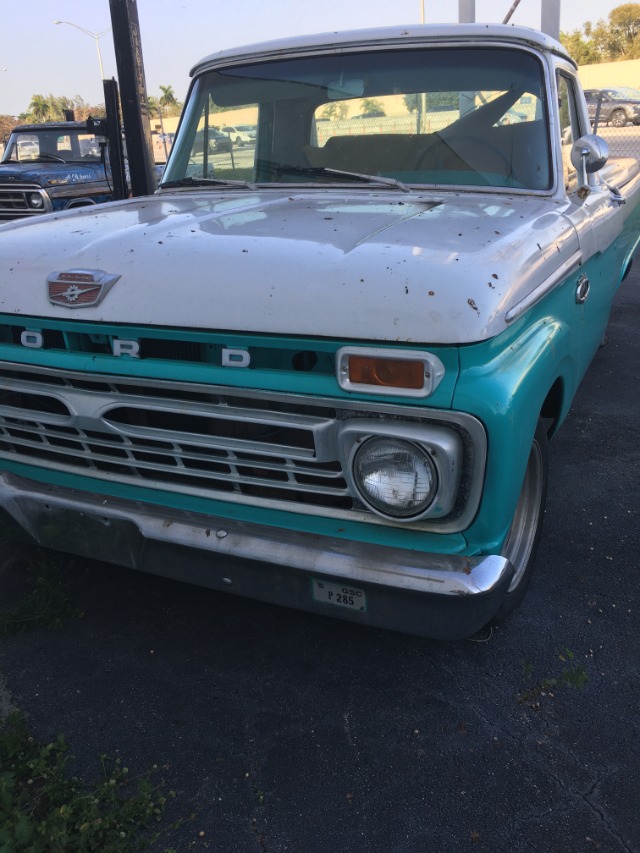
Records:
x=95, y=36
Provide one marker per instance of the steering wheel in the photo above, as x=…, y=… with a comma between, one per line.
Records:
x=443, y=151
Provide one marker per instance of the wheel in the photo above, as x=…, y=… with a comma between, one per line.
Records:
x=618, y=118
x=522, y=540
x=445, y=152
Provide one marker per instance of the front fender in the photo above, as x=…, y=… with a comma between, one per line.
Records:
x=505, y=382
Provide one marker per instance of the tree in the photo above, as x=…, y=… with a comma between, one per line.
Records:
x=39, y=108
x=168, y=101
x=619, y=38
x=7, y=123
x=54, y=108
x=413, y=102
x=335, y=111
x=624, y=21
x=371, y=105
x=584, y=52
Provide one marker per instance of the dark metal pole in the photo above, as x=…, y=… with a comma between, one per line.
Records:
x=114, y=138
x=133, y=95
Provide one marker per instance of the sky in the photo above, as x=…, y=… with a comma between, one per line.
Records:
x=39, y=57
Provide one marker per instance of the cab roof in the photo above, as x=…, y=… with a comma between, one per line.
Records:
x=416, y=35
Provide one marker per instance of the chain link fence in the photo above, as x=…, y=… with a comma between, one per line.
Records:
x=622, y=141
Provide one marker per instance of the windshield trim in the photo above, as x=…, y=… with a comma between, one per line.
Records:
x=219, y=98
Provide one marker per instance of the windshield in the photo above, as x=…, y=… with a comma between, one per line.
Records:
x=64, y=146
x=445, y=116
x=625, y=93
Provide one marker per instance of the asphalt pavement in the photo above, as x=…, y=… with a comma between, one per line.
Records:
x=281, y=731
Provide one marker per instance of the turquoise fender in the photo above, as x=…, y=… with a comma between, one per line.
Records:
x=506, y=381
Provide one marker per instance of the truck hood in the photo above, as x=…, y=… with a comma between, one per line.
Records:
x=52, y=174
x=354, y=265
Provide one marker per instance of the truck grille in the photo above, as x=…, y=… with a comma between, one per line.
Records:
x=14, y=203
x=192, y=439
x=266, y=449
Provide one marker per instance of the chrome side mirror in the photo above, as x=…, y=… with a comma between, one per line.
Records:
x=588, y=155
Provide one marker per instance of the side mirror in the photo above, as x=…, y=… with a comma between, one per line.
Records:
x=588, y=155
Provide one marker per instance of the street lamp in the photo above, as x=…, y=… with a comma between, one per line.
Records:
x=96, y=36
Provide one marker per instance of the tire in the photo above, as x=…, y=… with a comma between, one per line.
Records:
x=618, y=118
x=522, y=540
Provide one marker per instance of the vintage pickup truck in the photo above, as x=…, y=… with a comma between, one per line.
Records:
x=324, y=375
x=53, y=166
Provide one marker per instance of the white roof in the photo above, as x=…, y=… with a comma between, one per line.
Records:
x=415, y=34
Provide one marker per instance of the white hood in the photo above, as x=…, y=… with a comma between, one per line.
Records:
x=356, y=265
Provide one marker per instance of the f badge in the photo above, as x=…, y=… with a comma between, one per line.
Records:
x=79, y=288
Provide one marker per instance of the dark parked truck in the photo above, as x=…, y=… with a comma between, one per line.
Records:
x=47, y=167
x=324, y=374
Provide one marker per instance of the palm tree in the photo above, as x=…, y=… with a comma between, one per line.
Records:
x=168, y=98
x=39, y=108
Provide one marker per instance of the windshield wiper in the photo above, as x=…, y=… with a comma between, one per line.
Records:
x=338, y=173
x=205, y=182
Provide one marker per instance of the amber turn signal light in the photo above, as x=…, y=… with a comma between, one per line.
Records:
x=396, y=372
x=388, y=372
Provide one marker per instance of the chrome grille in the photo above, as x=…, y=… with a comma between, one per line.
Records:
x=186, y=438
x=279, y=451
x=13, y=201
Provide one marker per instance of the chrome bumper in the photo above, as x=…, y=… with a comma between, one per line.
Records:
x=433, y=595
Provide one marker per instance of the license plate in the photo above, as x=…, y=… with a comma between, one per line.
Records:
x=341, y=595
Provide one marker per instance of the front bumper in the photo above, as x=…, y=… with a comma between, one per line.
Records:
x=445, y=597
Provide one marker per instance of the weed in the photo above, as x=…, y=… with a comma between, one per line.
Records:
x=43, y=810
x=527, y=670
x=573, y=676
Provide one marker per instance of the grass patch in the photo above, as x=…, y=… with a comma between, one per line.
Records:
x=43, y=810
x=241, y=173
x=573, y=676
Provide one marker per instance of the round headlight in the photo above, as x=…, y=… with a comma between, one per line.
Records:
x=35, y=200
x=396, y=478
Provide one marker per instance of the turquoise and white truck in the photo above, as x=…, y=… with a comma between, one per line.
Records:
x=324, y=374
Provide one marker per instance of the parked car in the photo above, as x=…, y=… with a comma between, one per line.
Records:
x=326, y=379
x=237, y=135
x=250, y=129
x=618, y=106
x=219, y=140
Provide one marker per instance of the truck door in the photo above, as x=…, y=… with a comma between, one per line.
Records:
x=597, y=215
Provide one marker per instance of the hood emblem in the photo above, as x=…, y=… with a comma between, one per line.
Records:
x=79, y=288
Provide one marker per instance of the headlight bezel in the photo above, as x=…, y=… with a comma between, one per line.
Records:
x=36, y=200
x=442, y=446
